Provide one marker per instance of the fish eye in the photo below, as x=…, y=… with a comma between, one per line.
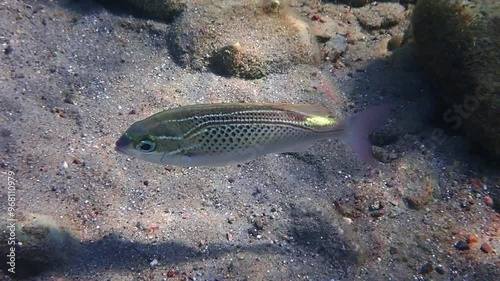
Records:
x=146, y=146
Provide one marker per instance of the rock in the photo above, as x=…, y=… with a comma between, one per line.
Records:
x=153, y=263
x=439, y=269
x=458, y=45
x=165, y=10
x=253, y=231
x=485, y=247
x=236, y=61
x=383, y=15
x=259, y=223
x=383, y=155
x=427, y=268
x=393, y=250
x=334, y=48
x=171, y=272
x=414, y=202
x=209, y=36
x=69, y=96
x=324, y=28
x=376, y=205
x=462, y=246
x=471, y=239
x=424, y=196
x=488, y=201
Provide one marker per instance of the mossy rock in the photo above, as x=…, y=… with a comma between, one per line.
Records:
x=459, y=45
x=235, y=61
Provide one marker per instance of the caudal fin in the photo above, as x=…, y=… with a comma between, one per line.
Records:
x=359, y=126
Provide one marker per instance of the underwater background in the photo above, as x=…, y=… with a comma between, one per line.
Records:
x=74, y=75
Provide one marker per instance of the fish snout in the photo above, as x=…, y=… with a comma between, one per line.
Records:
x=123, y=144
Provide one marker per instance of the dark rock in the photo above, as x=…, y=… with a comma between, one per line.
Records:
x=393, y=250
x=462, y=246
x=8, y=50
x=439, y=269
x=457, y=44
x=427, y=268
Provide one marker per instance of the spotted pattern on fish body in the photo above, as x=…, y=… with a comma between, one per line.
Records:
x=222, y=134
x=222, y=129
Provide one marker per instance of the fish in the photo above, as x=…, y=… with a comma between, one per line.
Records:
x=221, y=134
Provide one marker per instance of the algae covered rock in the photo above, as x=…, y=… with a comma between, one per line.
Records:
x=246, y=39
x=235, y=61
x=459, y=45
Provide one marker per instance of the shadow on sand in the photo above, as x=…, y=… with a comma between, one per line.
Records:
x=312, y=233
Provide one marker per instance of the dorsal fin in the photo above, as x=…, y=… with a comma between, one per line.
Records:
x=306, y=109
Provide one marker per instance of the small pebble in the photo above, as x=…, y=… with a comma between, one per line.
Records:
x=466, y=206
x=472, y=239
x=488, y=201
x=439, y=269
x=414, y=202
x=64, y=165
x=377, y=205
x=153, y=263
x=8, y=50
x=462, y=246
x=393, y=250
x=427, y=268
x=259, y=224
x=485, y=247
x=254, y=232
x=171, y=272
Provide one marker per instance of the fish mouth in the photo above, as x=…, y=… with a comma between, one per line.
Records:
x=120, y=150
x=121, y=144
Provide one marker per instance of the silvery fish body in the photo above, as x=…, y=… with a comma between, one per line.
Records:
x=224, y=134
